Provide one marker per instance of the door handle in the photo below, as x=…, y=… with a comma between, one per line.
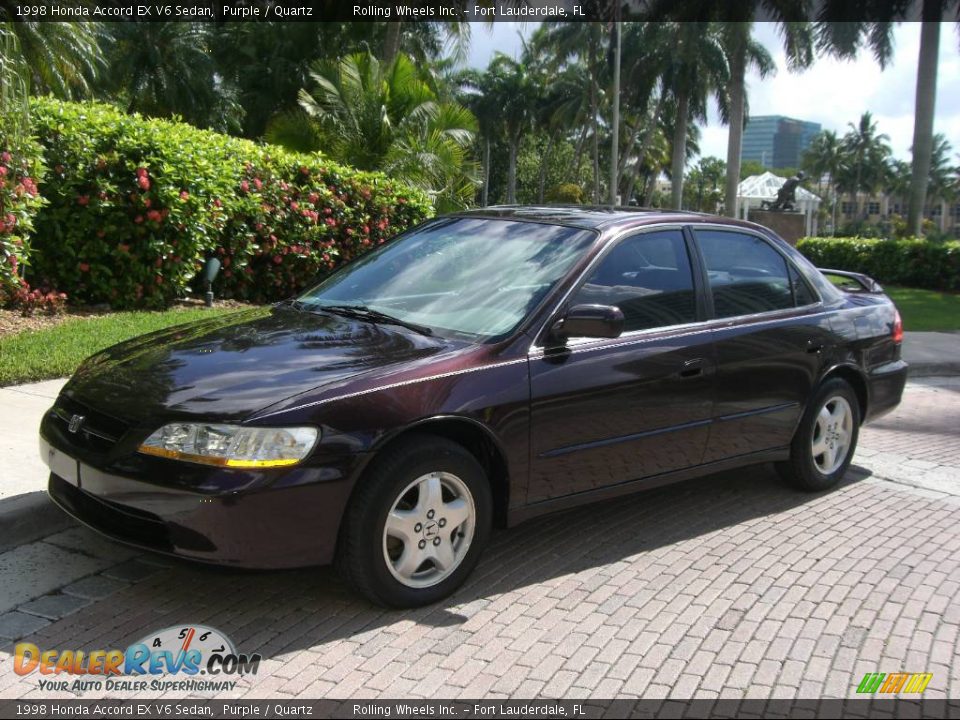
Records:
x=814, y=346
x=692, y=368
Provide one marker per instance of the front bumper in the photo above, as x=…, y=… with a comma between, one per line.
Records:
x=292, y=521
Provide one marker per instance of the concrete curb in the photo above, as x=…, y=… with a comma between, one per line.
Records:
x=29, y=517
x=948, y=369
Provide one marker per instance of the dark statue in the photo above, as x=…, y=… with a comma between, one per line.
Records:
x=786, y=196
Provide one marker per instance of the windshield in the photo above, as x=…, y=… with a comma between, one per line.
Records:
x=467, y=276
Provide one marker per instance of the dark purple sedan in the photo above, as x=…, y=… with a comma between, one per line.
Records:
x=480, y=369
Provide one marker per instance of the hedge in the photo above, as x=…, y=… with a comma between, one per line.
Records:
x=916, y=263
x=21, y=168
x=135, y=206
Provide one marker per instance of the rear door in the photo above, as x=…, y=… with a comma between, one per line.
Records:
x=771, y=337
x=609, y=411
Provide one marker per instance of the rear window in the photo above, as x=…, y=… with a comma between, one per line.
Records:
x=746, y=274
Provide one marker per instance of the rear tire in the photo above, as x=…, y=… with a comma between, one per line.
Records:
x=826, y=439
x=417, y=524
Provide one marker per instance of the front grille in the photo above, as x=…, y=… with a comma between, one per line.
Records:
x=85, y=427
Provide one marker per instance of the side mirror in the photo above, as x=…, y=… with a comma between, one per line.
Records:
x=592, y=321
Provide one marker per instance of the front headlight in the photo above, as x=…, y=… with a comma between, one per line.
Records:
x=231, y=445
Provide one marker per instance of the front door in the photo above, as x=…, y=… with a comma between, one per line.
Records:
x=609, y=411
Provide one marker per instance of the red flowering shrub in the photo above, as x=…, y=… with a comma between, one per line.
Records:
x=20, y=169
x=136, y=205
x=31, y=301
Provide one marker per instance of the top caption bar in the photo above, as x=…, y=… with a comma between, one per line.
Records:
x=371, y=11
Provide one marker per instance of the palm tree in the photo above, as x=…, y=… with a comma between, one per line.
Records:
x=14, y=85
x=825, y=156
x=163, y=69
x=573, y=41
x=698, y=66
x=845, y=38
x=385, y=118
x=940, y=186
x=868, y=152
x=509, y=86
x=61, y=58
x=743, y=53
x=647, y=47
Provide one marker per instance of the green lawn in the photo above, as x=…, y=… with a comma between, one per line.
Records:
x=926, y=309
x=57, y=351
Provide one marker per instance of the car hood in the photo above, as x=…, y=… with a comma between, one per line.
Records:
x=233, y=365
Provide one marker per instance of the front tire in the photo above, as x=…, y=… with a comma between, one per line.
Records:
x=826, y=439
x=417, y=523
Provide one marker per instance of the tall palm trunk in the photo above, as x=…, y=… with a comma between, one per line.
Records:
x=486, y=172
x=651, y=130
x=615, y=124
x=679, y=159
x=737, y=90
x=923, y=114
x=512, y=171
x=833, y=197
x=594, y=111
x=651, y=186
x=542, y=180
x=391, y=42
x=574, y=169
x=631, y=183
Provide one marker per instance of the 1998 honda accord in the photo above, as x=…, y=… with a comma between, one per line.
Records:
x=479, y=369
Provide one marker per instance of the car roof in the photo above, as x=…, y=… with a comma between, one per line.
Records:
x=594, y=217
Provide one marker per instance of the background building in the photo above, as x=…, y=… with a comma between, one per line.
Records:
x=776, y=141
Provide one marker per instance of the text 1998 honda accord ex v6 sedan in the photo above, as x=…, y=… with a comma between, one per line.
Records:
x=481, y=368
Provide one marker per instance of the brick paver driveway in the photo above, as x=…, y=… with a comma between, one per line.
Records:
x=732, y=585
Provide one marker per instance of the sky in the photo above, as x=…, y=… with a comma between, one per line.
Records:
x=832, y=92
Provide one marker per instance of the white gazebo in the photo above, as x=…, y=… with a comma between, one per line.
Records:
x=757, y=188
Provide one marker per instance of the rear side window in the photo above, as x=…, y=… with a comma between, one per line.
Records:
x=649, y=278
x=746, y=275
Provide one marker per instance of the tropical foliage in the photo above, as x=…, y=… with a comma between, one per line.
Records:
x=860, y=165
x=376, y=117
x=135, y=206
x=568, y=118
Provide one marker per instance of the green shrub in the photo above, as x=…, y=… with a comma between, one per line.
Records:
x=912, y=262
x=21, y=168
x=569, y=193
x=135, y=206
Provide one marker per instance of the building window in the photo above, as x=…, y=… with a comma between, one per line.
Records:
x=873, y=208
x=955, y=211
x=848, y=208
x=936, y=211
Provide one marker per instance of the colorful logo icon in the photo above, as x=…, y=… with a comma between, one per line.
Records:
x=894, y=683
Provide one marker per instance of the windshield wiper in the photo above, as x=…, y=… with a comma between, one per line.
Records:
x=375, y=316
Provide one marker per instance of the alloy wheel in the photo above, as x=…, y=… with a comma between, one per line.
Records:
x=832, y=431
x=429, y=529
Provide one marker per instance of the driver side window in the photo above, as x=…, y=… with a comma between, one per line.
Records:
x=648, y=276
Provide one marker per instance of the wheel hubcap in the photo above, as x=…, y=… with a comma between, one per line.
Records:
x=429, y=529
x=832, y=432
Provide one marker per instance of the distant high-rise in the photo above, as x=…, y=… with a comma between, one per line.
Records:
x=776, y=141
